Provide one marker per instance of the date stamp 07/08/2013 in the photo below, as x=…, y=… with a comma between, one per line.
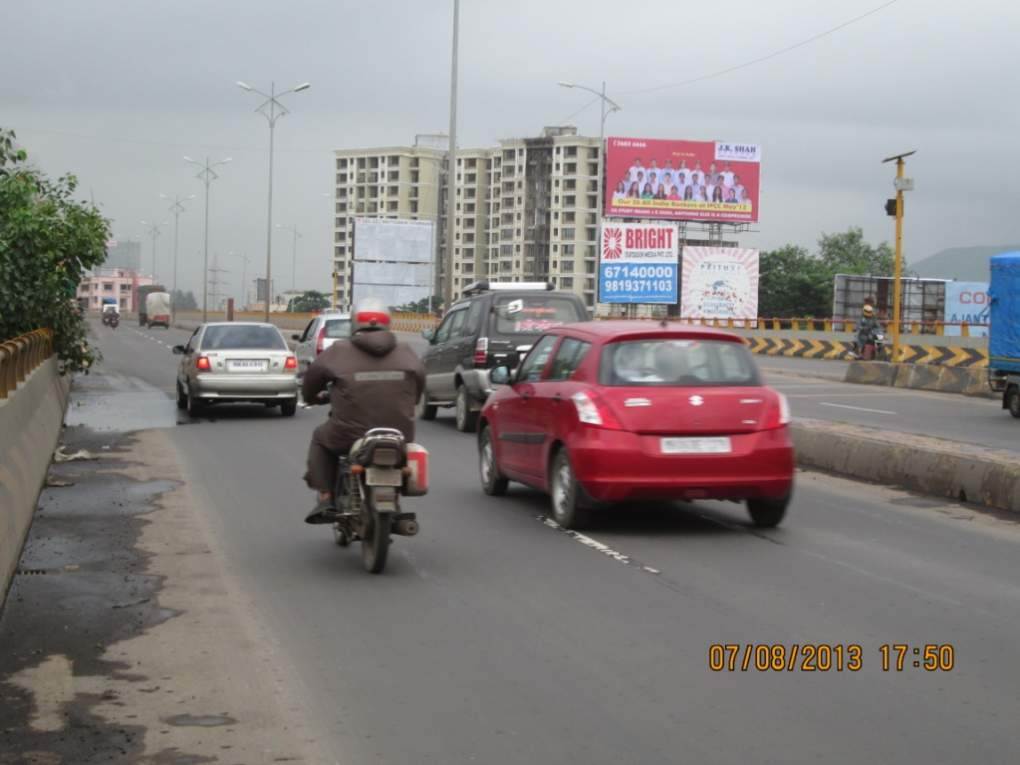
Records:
x=828, y=657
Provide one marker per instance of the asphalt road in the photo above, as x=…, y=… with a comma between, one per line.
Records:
x=494, y=638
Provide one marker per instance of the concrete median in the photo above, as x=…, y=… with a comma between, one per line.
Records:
x=956, y=470
x=967, y=381
x=30, y=422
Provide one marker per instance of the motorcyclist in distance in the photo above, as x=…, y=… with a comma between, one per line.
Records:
x=373, y=381
x=867, y=328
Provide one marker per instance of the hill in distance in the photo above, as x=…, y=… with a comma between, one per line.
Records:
x=964, y=264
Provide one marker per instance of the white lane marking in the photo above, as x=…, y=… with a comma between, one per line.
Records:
x=594, y=544
x=856, y=408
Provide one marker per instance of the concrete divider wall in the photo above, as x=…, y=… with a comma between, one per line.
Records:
x=30, y=422
x=940, y=468
x=969, y=381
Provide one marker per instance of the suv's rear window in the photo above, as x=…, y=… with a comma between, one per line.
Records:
x=243, y=338
x=337, y=329
x=533, y=314
x=677, y=362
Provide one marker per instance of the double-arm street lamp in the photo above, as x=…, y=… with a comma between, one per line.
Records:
x=272, y=110
x=207, y=175
x=176, y=207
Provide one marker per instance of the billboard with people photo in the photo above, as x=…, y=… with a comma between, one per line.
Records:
x=716, y=181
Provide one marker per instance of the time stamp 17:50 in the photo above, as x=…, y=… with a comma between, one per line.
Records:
x=828, y=657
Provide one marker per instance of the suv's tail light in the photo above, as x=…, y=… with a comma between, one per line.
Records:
x=778, y=413
x=290, y=363
x=202, y=363
x=320, y=340
x=591, y=410
x=481, y=357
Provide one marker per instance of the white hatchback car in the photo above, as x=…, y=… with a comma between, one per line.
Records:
x=236, y=361
x=321, y=332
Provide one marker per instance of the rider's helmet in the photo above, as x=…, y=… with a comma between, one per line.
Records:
x=869, y=311
x=370, y=314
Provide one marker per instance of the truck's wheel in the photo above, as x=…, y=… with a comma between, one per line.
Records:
x=1013, y=400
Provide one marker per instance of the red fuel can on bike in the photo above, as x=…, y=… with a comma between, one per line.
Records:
x=416, y=484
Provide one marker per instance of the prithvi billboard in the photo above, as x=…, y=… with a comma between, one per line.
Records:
x=713, y=181
x=720, y=283
x=638, y=263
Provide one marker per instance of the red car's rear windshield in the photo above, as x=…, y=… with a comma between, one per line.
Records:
x=672, y=362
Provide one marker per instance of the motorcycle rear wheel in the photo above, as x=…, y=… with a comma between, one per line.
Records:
x=375, y=542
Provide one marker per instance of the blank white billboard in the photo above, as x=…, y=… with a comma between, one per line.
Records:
x=393, y=260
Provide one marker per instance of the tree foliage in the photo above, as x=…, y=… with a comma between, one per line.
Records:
x=795, y=282
x=420, y=306
x=48, y=240
x=309, y=302
x=184, y=301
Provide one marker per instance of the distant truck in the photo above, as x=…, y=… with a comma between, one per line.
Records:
x=1004, y=330
x=143, y=295
x=157, y=309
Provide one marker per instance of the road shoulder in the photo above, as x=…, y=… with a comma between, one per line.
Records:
x=124, y=637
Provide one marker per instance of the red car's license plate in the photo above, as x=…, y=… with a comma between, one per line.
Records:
x=715, y=445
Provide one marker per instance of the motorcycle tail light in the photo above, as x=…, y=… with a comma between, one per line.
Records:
x=385, y=457
x=202, y=363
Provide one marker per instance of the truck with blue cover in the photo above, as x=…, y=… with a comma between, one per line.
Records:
x=1004, y=330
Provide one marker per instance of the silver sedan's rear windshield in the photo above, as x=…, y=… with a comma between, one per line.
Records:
x=337, y=329
x=243, y=337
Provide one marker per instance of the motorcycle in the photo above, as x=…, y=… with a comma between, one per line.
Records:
x=381, y=468
x=111, y=319
x=872, y=348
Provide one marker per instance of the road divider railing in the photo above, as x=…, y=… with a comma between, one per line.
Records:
x=19, y=356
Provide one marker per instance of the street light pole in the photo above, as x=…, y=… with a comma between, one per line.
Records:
x=901, y=184
x=272, y=110
x=153, y=231
x=244, y=276
x=451, y=171
x=207, y=175
x=613, y=107
x=293, y=265
x=177, y=207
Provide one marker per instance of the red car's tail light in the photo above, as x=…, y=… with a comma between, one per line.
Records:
x=777, y=415
x=202, y=363
x=591, y=410
x=290, y=363
x=481, y=357
x=320, y=340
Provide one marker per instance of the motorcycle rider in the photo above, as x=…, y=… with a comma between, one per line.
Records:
x=867, y=328
x=374, y=381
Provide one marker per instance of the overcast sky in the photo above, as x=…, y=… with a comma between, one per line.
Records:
x=117, y=91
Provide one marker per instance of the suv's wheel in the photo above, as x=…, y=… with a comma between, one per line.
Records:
x=767, y=513
x=288, y=407
x=493, y=483
x=566, y=494
x=426, y=410
x=466, y=420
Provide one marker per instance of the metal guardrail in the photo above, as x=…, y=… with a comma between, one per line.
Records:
x=20, y=355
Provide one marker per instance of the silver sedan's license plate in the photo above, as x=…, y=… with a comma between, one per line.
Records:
x=247, y=365
x=384, y=476
x=715, y=445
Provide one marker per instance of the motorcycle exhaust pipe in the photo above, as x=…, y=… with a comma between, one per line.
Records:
x=405, y=528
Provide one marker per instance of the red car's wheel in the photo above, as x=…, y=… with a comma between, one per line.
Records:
x=493, y=483
x=767, y=513
x=566, y=494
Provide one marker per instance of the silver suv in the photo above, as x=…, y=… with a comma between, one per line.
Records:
x=321, y=332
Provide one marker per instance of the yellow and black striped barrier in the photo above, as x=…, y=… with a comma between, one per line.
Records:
x=936, y=355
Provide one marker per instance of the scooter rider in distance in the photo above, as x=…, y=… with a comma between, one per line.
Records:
x=866, y=330
x=373, y=381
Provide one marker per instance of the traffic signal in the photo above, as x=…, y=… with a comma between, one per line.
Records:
x=890, y=207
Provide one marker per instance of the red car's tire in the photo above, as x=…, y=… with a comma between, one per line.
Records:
x=565, y=493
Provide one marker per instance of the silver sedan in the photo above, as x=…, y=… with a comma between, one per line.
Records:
x=236, y=361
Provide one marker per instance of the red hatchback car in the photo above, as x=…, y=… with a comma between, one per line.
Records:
x=614, y=411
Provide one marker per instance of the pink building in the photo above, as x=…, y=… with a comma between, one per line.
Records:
x=117, y=283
